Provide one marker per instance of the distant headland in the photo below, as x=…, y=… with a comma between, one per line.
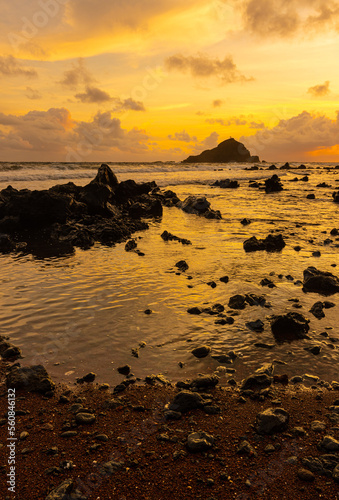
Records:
x=226, y=152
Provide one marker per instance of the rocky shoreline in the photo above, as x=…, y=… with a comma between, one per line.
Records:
x=264, y=437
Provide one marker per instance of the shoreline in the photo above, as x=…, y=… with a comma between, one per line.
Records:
x=132, y=449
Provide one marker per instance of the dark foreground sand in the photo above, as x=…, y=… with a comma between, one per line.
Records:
x=148, y=455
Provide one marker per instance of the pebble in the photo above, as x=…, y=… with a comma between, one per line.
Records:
x=199, y=441
x=23, y=435
x=306, y=475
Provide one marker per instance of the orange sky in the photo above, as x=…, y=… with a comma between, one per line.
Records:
x=145, y=80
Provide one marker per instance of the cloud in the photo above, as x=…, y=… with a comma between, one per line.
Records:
x=127, y=105
x=295, y=138
x=320, y=90
x=256, y=125
x=182, y=136
x=9, y=66
x=226, y=123
x=217, y=103
x=32, y=94
x=203, y=66
x=93, y=95
x=283, y=18
x=78, y=75
x=53, y=134
x=209, y=142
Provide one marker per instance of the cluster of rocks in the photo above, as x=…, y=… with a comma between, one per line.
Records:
x=272, y=243
x=8, y=351
x=166, y=236
x=226, y=184
x=273, y=185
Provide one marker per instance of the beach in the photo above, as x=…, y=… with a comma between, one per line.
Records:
x=175, y=295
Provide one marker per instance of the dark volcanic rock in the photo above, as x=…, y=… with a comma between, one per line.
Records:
x=166, y=236
x=182, y=265
x=67, y=490
x=31, y=378
x=199, y=205
x=226, y=184
x=201, y=352
x=199, y=441
x=317, y=310
x=272, y=420
x=272, y=243
x=186, y=401
x=290, y=326
x=273, y=185
x=227, y=151
x=324, y=283
x=237, y=302
x=335, y=196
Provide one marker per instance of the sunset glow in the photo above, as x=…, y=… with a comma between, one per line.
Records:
x=142, y=81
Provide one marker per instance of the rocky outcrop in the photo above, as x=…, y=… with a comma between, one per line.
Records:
x=199, y=205
x=273, y=185
x=290, y=326
x=30, y=378
x=226, y=184
x=226, y=152
x=54, y=221
x=321, y=282
x=272, y=243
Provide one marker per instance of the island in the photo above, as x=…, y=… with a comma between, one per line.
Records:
x=226, y=152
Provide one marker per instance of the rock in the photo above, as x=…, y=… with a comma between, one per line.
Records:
x=317, y=310
x=321, y=282
x=195, y=310
x=201, y=352
x=109, y=468
x=89, y=377
x=310, y=196
x=31, y=378
x=7, y=245
x=186, y=401
x=256, y=380
x=226, y=184
x=245, y=222
x=85, y=418
x=314, y=350
x=330, y=444
x=105, y=176
x=272, y=243
x=199, y=441
x=224, y=279
x=335, y=474
x=237, y=302
x=172, y=415
x=290, y=326
x=205, y=381
x=267, y=282
x=335, y=196
x=166, y=236
x=273, y=184
x=318, y=426
x=130, y=245
x=66, y=491
x=199, y=206
x=182, y=265
x=245, y=448
x=145, y=206
x=306, y=475
x=124, y=370
x=257, y=326
x=286, y=166
x=227, y=151
x=271, y=420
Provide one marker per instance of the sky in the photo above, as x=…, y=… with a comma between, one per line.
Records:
x=158, y=80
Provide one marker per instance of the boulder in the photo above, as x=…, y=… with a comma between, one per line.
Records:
x=290, y=326
x=317, y=310
x=324, y=283
x=199, y=205
x=145, y=206
x=186, y=401
x=237, y=302
x=30, y=378
x=273, y=185
x=7, y=245
x=257, y=381
x=227, y=151
x=271, y=420
x=105, y=176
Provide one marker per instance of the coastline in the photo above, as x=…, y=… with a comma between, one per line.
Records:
x=132, y=451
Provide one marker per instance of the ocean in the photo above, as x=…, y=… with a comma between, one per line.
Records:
x=85, y=312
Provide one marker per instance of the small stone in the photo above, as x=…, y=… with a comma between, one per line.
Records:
x=306, y=475
x=269, y=448
x=101, y=437
x=330, y=444
x=199, y=441
x=85, y=418
x=124, y=370
x=318, y=426
x=23, y=435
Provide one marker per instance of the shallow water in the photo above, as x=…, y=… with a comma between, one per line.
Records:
x=85, y=312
